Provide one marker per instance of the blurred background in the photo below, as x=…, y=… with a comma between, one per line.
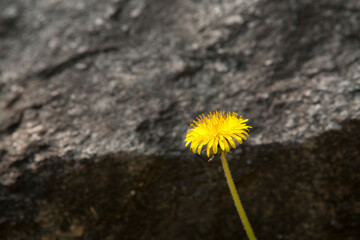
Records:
x=96, y=98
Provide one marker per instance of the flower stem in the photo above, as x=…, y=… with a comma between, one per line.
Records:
x=236, y=198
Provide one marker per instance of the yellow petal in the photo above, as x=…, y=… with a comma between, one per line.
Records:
x=194, y=145
x=237, y=138
x=202, y=143
x=231, y=141
x=215, y=145
x=221, y=143
x=246, y=132
x=200, y=147
x=226, y=145
x=242, y=135
x=209, y=145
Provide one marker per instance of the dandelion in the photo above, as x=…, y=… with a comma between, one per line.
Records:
x=217, y=132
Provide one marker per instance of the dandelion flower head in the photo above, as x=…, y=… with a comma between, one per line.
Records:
x=217, y=132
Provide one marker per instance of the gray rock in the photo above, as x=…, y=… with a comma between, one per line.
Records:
x=96, y=98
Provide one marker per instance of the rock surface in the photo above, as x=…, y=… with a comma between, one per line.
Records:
x=96, y=97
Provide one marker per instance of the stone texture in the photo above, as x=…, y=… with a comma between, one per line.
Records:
x=96, y=97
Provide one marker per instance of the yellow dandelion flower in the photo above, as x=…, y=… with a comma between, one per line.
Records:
x=217, y=131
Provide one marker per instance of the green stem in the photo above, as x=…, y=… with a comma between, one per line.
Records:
x=236, y=198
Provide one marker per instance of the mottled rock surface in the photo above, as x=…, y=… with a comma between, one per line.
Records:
x=96, y=97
